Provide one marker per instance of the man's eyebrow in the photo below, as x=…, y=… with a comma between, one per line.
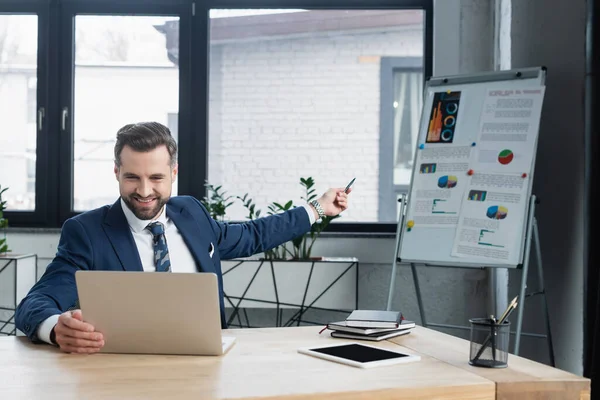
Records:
x=130, y=175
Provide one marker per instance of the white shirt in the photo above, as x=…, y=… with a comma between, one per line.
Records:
x=179, y=254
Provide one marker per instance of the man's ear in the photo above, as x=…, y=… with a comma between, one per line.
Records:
x=174, y=172
x=116, y=172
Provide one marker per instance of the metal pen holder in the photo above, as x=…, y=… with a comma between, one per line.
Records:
x=489, y=343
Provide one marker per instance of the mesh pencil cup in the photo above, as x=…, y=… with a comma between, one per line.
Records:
x=489, y=343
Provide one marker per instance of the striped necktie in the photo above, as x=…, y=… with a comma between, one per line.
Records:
x=161, y=251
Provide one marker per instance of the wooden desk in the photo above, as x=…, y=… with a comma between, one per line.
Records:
x=264, y=363
x=522, y=379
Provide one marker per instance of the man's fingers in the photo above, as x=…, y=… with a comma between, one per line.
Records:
x=80, y=350
x=77, y=315
x=75, y=324
x=342, y=200
x=64, y=331
x=75, y=336
x=76, y=342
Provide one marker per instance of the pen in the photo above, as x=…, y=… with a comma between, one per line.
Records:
x=511, y=307
x=349, y=185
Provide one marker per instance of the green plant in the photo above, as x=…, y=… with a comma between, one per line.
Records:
x=250, y=206
x=3, y=223
x=278, y=252
x=302, y=245
x=216, y=201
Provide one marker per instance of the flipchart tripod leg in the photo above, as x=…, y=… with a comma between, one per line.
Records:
x=402, y=202
x=538, y=252
x=418, y=291
x=525, y=270
x=395, y=259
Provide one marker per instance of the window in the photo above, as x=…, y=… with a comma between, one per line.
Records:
x=256, y=98
x=18, y=69
x=123, y=73
x=296, y=93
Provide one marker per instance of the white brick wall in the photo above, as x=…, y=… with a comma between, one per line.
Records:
x=281, y=109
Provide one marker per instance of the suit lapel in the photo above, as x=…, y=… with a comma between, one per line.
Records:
x=197, y=241
x=117, y=229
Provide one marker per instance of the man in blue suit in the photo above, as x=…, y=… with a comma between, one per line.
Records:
x=148, y=230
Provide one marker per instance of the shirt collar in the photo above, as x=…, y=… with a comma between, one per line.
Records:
x=138, y=225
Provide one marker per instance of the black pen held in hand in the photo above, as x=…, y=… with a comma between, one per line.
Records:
x=349, y=185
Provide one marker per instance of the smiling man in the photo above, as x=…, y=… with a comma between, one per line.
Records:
x=148, y=230
x=145, y=189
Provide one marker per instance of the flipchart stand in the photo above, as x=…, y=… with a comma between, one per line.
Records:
x=532, y=236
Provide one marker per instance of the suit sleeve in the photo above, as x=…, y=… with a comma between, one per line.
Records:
x=248, y=238
x=56, y=290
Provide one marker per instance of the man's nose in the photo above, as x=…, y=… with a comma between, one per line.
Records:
x=145, y=189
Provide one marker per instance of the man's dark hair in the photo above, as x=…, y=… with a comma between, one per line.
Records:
x=145, y=136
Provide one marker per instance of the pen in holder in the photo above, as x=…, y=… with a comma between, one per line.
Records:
x=489, y=342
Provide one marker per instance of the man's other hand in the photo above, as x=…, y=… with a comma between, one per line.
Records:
x=75, y=336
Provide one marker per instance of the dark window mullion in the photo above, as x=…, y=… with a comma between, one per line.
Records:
x=129, y=7
x=42, y=169
x=428, y=40
x=198, y=167
x=22, y=6
x=50, y=155
x=64, y=126
x=186, y=138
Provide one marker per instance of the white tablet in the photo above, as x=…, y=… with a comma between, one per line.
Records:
x=358, y=355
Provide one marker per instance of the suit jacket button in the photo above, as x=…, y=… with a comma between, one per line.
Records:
x=27, y=327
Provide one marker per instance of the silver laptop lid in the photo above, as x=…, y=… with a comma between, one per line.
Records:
x=153, y=313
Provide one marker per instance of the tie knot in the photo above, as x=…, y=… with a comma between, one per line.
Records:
x=157, y=228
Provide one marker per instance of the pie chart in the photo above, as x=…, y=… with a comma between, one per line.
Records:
x=497, y=212
x=505, y=157
x=447, y=182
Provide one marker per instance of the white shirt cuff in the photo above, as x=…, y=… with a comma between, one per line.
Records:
x=45, y=328
x=310, y=212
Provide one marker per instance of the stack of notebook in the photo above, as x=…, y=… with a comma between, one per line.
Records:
x=371, y=325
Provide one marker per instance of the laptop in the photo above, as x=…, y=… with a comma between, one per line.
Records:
x=154, y=313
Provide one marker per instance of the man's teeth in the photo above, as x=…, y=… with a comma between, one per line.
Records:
x=145, y=201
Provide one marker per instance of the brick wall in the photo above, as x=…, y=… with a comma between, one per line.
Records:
x=292, y=107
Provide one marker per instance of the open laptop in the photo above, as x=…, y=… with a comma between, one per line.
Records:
x=154, y=313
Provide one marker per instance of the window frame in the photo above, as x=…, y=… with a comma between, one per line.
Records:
x=387, y=188
x=54, y=167
x=40, y=215
x=427, y=61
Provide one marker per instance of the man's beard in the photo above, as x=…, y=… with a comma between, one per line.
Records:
x=144, y=214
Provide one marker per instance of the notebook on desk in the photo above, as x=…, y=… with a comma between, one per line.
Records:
x=375, y=337
x=374, y=319
x=154, y=313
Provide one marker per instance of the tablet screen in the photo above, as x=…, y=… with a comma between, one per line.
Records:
x=359, y=353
